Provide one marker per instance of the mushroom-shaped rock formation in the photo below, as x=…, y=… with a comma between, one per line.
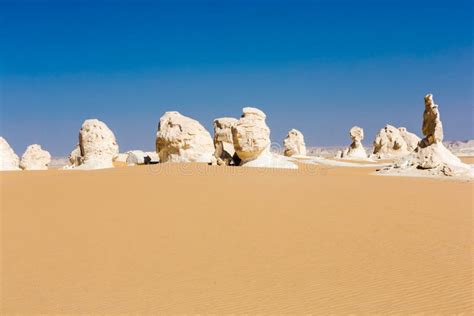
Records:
x=182, y=139
x=355, y=150
x=8, y=159
x=294, y=144
x=35, y=158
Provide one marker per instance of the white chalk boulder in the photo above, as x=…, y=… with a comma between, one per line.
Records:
x=251, y=135
x=97, y=147
x=183, y=139
x=8, y=159
x=389, y=143
x=223, y=142
x=294, y=144
x=138, y=157
x=35, y=158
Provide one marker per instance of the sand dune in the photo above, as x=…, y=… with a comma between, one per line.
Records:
x=190, y=238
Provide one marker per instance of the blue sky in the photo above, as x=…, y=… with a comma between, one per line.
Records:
x=318, y=66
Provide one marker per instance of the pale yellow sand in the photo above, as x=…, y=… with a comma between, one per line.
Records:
x=469, y=160
x=199, y=239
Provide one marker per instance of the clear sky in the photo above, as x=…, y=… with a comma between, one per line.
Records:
x=318, y=66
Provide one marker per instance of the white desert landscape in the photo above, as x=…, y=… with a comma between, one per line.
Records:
x=219, y=223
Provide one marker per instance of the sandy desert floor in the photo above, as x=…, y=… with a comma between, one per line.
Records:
x=192, y=238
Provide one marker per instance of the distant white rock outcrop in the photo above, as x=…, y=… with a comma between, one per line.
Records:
x=97, y=147
x=8, y=159
x=183, y=139
x=294, y=144
x=35, y=158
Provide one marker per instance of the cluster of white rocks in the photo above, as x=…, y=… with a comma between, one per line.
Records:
x=430, y=156
x=34, y=158
x=244, y=142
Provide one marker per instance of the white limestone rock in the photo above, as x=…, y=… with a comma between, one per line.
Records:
x=121, y=158
x=183, y=139
x=8, y=159
x=432, y=127
x=251, y=135
x=223, y=142
x=97, y=147
x=35, y=158
x=389, y=143
x=294, y=144
x=411, y=139
x=138, y=157
x=431, y=157
x=431, y=152
x=75, y=157
x=355, y=150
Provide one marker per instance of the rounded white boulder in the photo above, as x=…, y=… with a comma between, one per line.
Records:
x=35, y=158
x=183, y=139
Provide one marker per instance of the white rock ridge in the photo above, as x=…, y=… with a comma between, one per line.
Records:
x=35, y=158
x=183, y=139
x=294, y=144
x=8, y=159
x=223, y=142
x=355, y=150
x=97, y=147
x=389, y=143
